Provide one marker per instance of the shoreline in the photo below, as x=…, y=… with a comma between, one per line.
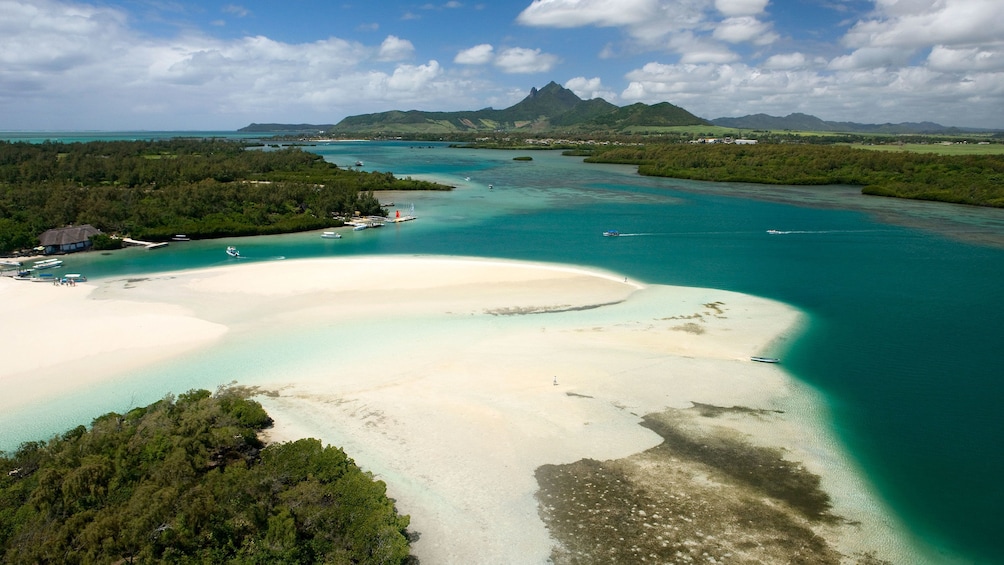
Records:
x=495, y=369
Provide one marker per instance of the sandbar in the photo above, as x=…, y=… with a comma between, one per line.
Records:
x=453, y=380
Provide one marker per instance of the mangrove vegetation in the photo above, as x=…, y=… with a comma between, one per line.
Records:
x=960, y=179
x=202, y=188
x=187, y=480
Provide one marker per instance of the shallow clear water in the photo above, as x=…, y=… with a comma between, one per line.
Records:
x=905, y=323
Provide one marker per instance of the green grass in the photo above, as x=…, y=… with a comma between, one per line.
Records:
x=940, y=149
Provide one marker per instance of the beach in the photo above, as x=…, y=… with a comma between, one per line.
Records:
x=456, y=380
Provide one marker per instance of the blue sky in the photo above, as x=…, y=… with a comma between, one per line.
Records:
x=220, y=65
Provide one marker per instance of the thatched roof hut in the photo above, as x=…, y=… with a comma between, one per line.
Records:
x=68, y=239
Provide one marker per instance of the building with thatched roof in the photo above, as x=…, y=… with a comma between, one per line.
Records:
x=68, y=239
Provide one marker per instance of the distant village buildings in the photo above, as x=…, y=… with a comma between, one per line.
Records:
x=68, y=239
x=724, y=140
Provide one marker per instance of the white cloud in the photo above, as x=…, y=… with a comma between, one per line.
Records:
x=744, y=29
x=871, y=58
x=477, y=55
x=909, y=93
x=522, y=60
x=235, y=10
x=589, y=88
x=394, y=48
x=921, y=23
x=950, y=60
x=578, y=13
x=785, y=61
x=697, y=49
x=735, y=8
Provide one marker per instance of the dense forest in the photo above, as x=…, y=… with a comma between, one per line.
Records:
x=154, y=189
x=961, y=179
x=187, y=480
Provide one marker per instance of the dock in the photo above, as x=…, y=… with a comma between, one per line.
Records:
x=146, y=244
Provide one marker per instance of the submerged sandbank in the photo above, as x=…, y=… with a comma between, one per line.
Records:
x=453, y=380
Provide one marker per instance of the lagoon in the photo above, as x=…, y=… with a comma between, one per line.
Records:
x=901, y=297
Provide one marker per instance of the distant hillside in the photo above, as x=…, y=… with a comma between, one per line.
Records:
x=805, y=122
x=552, y=108
x=285, y=128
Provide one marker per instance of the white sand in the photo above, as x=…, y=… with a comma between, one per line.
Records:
x=466, y=409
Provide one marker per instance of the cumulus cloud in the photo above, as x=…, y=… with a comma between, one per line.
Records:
x=862, y=95
x=744, y=29
x=920, y=23
x=525, y=61
x=947, y=59
x=578, y=13
x=785, y=61
x=589, y=88
x=477, y=55
x=85, y=68
x=394, y=48
x=736, y=8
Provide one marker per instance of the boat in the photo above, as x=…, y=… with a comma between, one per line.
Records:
x=76, y=277
x=331, y=235
x=765, y=359
x=490, y=187
x=181, y=237
x=775, y=232
x=611, y=233
x=233, y=252
x=360, y=227
x=46, y=264
x=359, y=163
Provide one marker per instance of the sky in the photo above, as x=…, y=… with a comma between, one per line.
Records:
x=221, y=65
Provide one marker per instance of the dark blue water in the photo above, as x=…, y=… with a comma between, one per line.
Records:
x=905, y=325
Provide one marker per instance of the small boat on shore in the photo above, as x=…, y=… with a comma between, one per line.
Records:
x=180, y=237
x=233, y=252
x=765, y=359
x=331, y=235
x=611, y=233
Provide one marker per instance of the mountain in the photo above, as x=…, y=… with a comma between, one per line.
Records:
x=552, y=108
x=805, y=122
x=285, y=128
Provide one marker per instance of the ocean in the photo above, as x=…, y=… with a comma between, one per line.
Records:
x=901, y=298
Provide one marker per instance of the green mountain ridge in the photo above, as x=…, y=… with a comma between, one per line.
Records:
x=806, y=122
x=550, y=109
x=555, y=109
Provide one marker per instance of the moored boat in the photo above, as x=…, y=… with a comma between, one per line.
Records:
x=331, y=235
x=46, y=264
x=765, y=359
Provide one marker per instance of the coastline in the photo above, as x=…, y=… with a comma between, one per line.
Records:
x=495, y=369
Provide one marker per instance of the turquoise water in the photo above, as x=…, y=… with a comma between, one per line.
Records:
x=905, y=323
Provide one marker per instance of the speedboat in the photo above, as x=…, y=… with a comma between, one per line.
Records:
x=233, y=252
x=46, y=264
x=331, y=235
x=776, y=232
x=611, y=233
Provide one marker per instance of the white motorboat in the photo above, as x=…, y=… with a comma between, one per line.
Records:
x=233, y=252
x=331, y=235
